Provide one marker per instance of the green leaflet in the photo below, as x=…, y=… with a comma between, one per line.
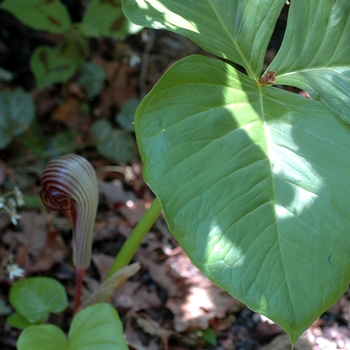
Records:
x=17, y=112
x=49, y=66
x=235, y=30
x=32, y=298
x=106, y=18
x=97, y=327
x=51, y=16
x=41, y=337
x=315, y=54
x=115, y=144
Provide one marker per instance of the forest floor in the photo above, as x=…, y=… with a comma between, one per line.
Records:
x=168, y=304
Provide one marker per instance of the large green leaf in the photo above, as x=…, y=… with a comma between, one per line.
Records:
x=47, y=15
x=253, y=182
x=235, y=30
x=315, y=54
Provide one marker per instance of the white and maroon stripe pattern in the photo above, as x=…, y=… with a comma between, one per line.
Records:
x=69, y=185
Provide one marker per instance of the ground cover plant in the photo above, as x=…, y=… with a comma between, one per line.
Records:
x=51, y=65
x=58, y=63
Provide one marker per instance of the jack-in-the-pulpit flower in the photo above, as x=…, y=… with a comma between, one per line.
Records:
x=69, y=185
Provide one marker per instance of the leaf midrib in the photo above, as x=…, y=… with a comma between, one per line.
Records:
x=247, y=65
x=268, y=141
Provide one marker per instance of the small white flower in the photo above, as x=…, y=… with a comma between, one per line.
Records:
x=19, y=197
x=14, y=216
x=14, y=271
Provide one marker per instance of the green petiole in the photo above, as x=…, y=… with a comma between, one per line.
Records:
x=134, y=240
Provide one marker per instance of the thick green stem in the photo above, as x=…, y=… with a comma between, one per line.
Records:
x=134, y=240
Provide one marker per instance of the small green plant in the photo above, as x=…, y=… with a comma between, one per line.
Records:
x=97, y=326
x=110, y=139
x=57, y=64
x=33, y=301
x=17, y=112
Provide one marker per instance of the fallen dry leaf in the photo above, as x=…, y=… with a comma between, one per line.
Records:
x=193, y=299
x=151, y=327
x=145, y=298
x=102, y=262
x=159, y=272
x=135, y=296
x=282, y=342
x=201, y=303
x=133, y=210
x=71, y=114
x=5, y=221
x=132, y=337
x=114, y=192
x=267, y=330
x=31, y=232
x=2, y=173
x=107, y=226
x=37, y=249
x=110, y=67
x=45, y=101
x=105, y=292
x=124, y=296
x=125, y=84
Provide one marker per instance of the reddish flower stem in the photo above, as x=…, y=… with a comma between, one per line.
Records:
x=78, y=287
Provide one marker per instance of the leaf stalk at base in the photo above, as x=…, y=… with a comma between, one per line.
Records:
x=134, y=240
